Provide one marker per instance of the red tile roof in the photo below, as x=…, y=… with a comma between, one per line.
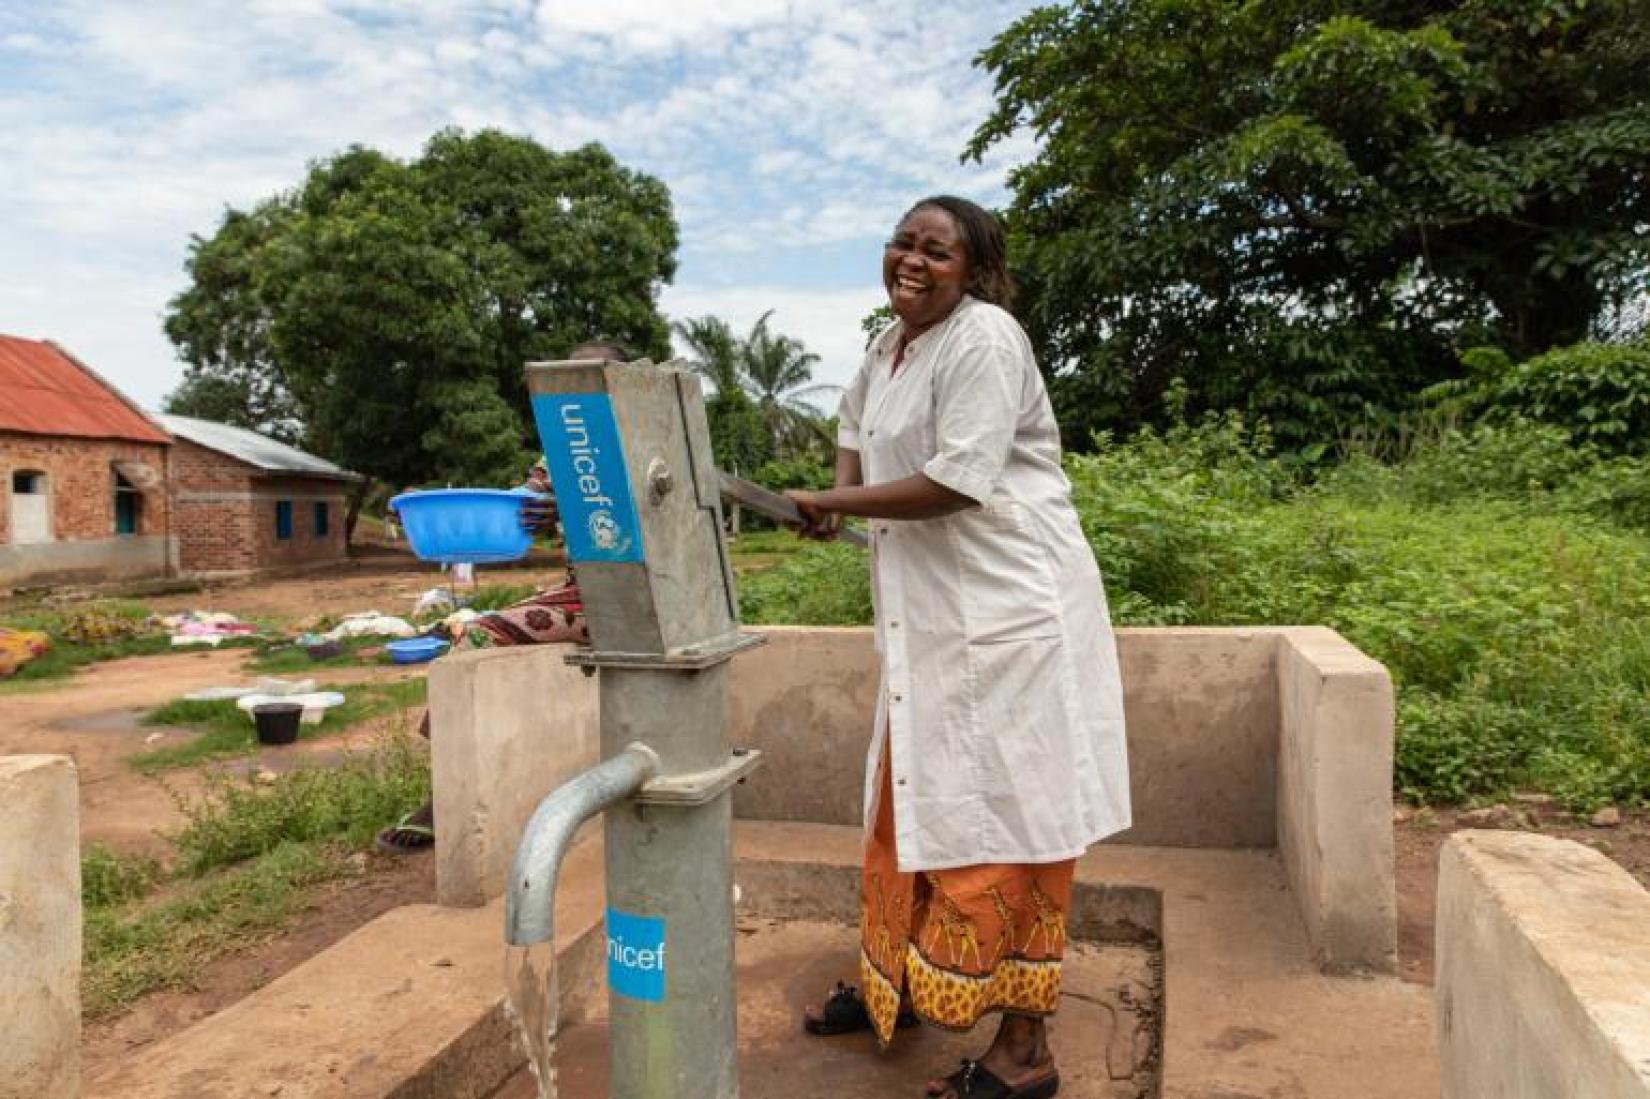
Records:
x=46, y=391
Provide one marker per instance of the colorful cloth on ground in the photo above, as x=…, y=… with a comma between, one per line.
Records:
x=545, y=618
x=966, y=942
x=18, y=647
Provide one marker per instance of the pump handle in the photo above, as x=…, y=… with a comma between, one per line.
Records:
x=776, y=507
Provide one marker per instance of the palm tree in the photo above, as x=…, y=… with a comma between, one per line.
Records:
x=770, y=369
x=715, y=350
x=776, y=370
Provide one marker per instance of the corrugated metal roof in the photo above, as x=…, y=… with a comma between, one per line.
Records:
x=253, y=449
x=46, y=391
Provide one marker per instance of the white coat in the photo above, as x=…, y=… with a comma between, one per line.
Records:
x=1000, y=689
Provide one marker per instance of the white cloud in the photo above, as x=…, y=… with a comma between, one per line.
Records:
x=793, y=125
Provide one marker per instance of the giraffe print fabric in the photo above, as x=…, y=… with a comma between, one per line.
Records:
x=962, y=943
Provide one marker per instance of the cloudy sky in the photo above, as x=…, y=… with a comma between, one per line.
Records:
x=790, y=133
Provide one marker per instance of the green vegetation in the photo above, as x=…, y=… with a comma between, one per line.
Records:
x=817, y=584
x=223, y=730
x=284, y=657
x=140, y=947
x=348, y=801
x=1502, y=575
x=492, y=597
x=382, y=308
x=105, y=630
x=761, y=413
x=249, y=858
x=1306, y=209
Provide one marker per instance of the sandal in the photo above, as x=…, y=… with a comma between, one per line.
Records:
x=975, y=1081
x=844, y=1012
x=407, y=834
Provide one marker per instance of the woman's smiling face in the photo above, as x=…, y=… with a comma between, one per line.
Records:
x=925, y=268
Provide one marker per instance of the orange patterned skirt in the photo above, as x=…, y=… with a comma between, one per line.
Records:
x=965, y=942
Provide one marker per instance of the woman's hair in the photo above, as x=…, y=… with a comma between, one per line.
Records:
x=987, y=247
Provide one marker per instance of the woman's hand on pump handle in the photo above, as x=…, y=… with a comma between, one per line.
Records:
x=817, y=522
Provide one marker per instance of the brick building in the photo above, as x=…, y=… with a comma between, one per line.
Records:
x=242, y=501
x=84, y=474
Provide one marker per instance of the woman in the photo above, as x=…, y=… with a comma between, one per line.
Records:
x=998, y=753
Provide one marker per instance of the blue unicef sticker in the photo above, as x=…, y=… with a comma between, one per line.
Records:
x=635, y=955
x=581, y=447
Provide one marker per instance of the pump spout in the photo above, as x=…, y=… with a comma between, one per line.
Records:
x=530, y=904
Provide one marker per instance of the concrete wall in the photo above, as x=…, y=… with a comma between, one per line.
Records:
x=1237, y=738
x=1543, y=974
x=1334, y=794
x=806, y=699
x=1202, y=720
x=39, y=928
x=1202, y=729
x=123, y=557
x=507, y=727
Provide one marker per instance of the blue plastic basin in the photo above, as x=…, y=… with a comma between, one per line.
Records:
x=415, y=650
x=477, y=526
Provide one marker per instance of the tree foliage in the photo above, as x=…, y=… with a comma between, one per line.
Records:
x=1306, y=208
x=738, y=437
x=391, y=305
x=763, y=382
x=1598, y=393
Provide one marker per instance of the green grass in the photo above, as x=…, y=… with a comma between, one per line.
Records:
x=67, y=656
x=1501, y=577
x=756, y=551
x=349, y=801
x=248, y=859
x=142, y=946
x=223, y=730
x=492, y=597
x=285, y=658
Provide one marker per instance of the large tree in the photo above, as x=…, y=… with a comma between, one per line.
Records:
x=1309, y=207
x=390, y=305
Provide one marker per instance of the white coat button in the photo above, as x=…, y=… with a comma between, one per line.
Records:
x=900, y=781
x=894, y=625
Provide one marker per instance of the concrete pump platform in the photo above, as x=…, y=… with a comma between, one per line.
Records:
x=411, y=1006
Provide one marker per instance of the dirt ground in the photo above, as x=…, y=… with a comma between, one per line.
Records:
x=93, y=717
x=1418, y=835
x=390, y=586
x=340, y=907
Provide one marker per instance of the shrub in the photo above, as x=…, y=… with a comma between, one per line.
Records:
x=820, y=585
x=241, y=818
x=1488, y=567
x=1599, y=393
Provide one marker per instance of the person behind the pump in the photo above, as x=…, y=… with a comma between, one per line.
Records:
x=551, y=616
x=998, y=752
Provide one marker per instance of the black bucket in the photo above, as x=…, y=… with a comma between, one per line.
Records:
x=277, y=722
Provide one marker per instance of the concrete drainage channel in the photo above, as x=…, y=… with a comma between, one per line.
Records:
x=797, y=935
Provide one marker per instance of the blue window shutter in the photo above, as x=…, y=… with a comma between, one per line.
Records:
x=321, y=519
x=283, y=519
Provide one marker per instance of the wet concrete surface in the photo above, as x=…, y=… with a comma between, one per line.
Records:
x=1105, y=1037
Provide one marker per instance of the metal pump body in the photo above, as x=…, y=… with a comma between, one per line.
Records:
x=628, y=446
